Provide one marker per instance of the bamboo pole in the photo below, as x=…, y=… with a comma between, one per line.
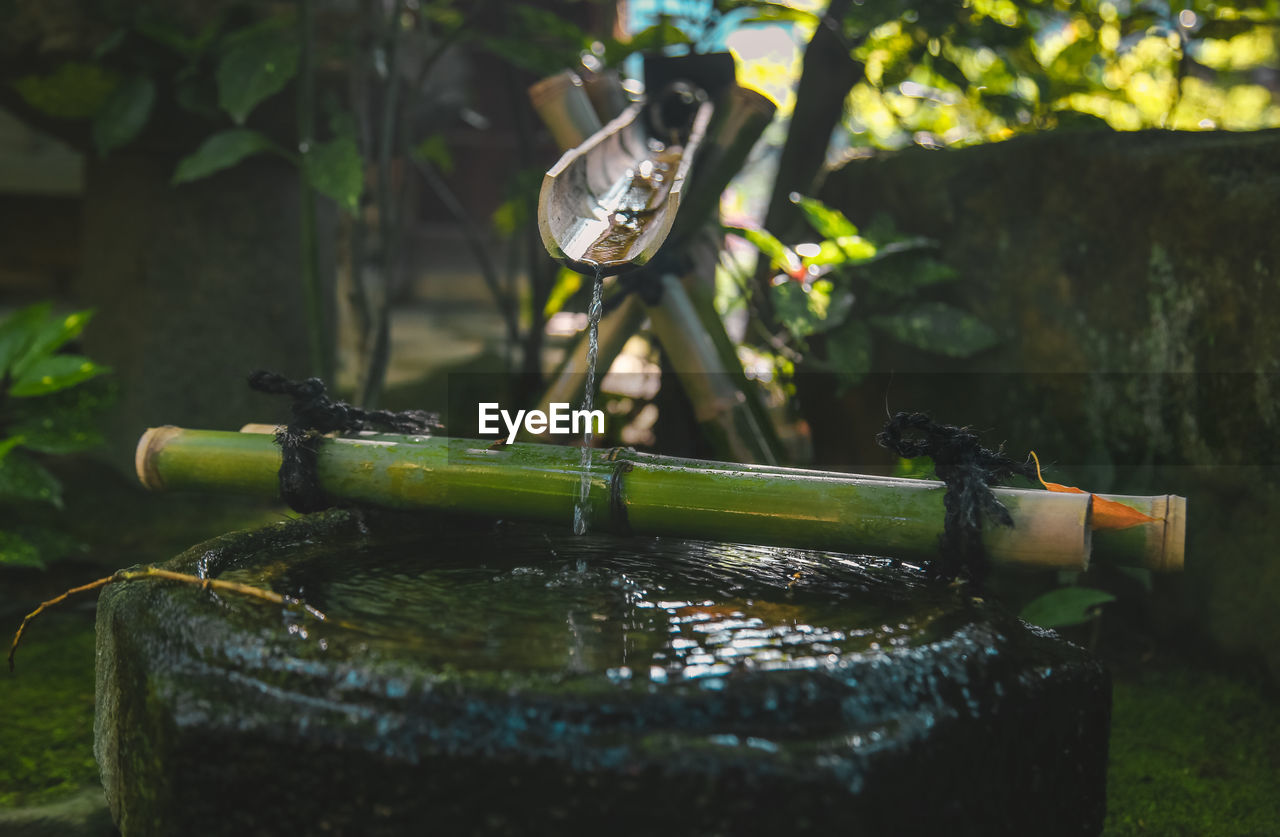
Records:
x=1157, y=546
x=653, y=495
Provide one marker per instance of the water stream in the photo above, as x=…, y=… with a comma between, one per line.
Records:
x=580, y=507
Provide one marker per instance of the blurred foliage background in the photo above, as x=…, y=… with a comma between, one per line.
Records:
x=349, y=188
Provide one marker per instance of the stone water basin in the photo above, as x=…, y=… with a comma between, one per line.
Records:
x=486, y=678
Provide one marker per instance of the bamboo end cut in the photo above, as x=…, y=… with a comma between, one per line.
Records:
x=145, y=458
x=1175, y=534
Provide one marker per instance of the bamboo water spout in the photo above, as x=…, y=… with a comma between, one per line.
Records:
x=611, y=201
x=655, y=495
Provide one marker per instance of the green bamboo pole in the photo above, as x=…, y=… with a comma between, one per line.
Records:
x=658, y=495
x=1158, y=546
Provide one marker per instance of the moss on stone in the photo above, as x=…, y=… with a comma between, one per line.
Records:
x=46, y=736
x=1192, y=752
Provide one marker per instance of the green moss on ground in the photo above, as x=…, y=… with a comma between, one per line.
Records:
x=1192, y=753
x=46, y=736
x=46, y=706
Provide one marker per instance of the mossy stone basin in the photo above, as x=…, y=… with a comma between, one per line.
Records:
x=486, y=678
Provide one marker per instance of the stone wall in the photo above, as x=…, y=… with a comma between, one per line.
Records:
x=194, y=287
x=1132, y=278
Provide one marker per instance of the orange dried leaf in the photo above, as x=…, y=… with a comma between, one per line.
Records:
x=1107, y=514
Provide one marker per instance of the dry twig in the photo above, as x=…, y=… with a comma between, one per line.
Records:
x=168, y=575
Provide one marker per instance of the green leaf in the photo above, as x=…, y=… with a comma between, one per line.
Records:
x=62, y=422
x=55, y=372
x=16, y=551
x=849, y=353
x=176, y=39
x=195, y=92
x=22, y=478
x=940, y=328
x=73, y=91
x=780, y=255
x=906, y=275
x=765, y=12
x=510, y=216
x=334, y=168
x=654, y=39
x=830, y=223
x=35, y=332
x=802, y=309
x=9, y=444
x=847, y=250
x=254, y=68
x=567, y=284
x=917, y=468
x=124, y=114
x=1064, y=607
x=18, y=332
x=109, y=44
x=435, y=151
x=536, y=40
x=221, y=151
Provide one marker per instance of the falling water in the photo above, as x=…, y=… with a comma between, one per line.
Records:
x=588, y=398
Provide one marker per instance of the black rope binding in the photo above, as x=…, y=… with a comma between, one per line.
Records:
x=315, y=414
x=968, y=469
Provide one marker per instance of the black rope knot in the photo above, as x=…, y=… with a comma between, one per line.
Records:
x=314, y=415
x=968, y=470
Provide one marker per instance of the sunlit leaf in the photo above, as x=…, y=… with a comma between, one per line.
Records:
x=334, y=168
x=780, y=255
x=939, y=328
x=847, y=250
x=220, y=151
x=54, y=372
x=830, y=223
x=567, y=284
x=124, y=114
x=35, y=332
x=254, y=68
x=1065, y=607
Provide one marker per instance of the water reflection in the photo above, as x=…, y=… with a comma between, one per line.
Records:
x=634, y=611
